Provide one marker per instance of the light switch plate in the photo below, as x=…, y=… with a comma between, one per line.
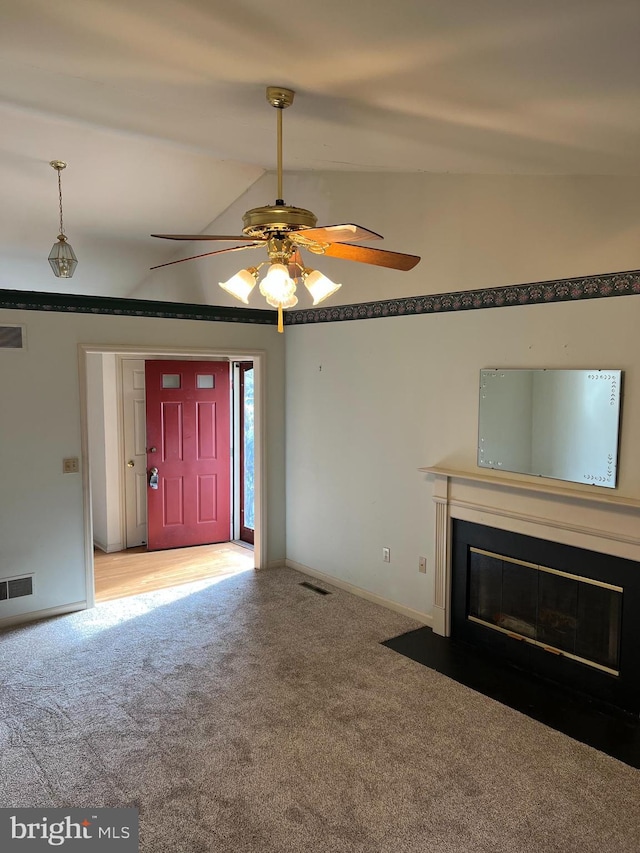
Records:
x=71, y=465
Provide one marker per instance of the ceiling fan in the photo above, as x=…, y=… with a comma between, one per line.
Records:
x=284, y=230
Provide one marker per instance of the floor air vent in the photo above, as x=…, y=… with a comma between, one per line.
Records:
x=317, y=589
x=16, y=587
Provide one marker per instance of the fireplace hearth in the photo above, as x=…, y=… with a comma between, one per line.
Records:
x=563, y=613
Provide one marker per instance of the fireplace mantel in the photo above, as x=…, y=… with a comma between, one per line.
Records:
x=585, y=518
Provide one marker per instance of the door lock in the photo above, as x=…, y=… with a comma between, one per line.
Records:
x=153, y=478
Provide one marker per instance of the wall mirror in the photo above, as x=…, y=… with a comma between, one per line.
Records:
x=562, y=424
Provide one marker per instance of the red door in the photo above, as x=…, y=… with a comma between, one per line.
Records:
x=188, y=442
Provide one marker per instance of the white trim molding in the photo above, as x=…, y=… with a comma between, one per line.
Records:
x=587, y=518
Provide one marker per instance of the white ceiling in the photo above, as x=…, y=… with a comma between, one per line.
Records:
x=159, y=108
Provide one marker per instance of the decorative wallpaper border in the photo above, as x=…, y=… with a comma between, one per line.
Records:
x=563, y=290
x=37, y=301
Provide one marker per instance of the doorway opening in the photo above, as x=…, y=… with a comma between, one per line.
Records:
x=117, y=494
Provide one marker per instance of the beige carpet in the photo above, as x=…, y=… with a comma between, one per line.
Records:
x=251, y=714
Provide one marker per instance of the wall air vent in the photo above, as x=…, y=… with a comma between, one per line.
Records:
x=16, y=587
x=12, y=337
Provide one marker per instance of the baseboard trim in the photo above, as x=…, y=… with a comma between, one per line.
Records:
x=423, y=618
x=277, y=564
x=108, y=549
x=36, y=615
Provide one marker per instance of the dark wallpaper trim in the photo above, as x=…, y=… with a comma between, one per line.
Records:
x=35, y=301
x=563, y=290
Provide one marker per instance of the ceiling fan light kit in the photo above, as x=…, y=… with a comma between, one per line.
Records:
x=241, y=284
x=62, y=258
x=283, y=230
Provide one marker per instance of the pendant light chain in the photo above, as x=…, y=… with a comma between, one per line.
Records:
x=60, y=200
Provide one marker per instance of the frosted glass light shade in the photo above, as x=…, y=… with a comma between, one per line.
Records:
x=319, y=286
x=62, y=258
x=278, y=288
x=240, y=285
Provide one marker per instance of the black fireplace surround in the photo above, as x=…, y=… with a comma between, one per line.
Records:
x=569, y=615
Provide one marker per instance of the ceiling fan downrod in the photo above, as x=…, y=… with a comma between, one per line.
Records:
x=280, y=99
x=280, y=218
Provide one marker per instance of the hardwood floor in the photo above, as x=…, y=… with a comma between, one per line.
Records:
x=137, y=570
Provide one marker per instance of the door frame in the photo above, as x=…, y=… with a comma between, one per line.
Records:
x=260, y=476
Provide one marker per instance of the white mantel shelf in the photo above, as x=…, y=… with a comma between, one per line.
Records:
x=588, y=518
x=597, y=494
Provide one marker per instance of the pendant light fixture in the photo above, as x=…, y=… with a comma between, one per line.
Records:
x=62, y=257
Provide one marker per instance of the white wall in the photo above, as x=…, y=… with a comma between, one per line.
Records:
x=371, y=401
x=41, y=518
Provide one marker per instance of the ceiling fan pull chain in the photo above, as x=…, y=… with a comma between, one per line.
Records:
x=280, y=319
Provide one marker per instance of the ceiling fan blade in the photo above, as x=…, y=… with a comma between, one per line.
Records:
x=208, y=254
x=365, y=255
x=347, y=233
x=201, y=237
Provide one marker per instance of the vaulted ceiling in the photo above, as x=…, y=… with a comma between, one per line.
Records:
x=158, y=107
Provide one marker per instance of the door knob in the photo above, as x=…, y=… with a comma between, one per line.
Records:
x=131, y=464
x=152, y=450
x=153, y=478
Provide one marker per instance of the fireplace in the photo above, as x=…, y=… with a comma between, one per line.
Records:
x=564, y=613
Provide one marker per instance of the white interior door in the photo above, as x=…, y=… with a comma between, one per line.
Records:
x=135, y=451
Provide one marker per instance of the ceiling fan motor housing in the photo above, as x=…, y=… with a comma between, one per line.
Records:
x=272, y=219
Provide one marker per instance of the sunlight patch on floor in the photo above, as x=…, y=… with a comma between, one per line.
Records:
x=128, y=573
x=108, y=614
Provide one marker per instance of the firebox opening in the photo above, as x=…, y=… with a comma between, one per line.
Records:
x=562, y=613
x=566, y=614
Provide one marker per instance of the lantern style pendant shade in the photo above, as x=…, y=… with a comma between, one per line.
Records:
x=62, y=258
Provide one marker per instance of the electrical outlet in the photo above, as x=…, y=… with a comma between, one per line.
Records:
x=386, y=555
x=422, y=565
x=70, y=466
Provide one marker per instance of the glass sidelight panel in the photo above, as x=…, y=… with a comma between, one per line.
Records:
x=248, y=449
